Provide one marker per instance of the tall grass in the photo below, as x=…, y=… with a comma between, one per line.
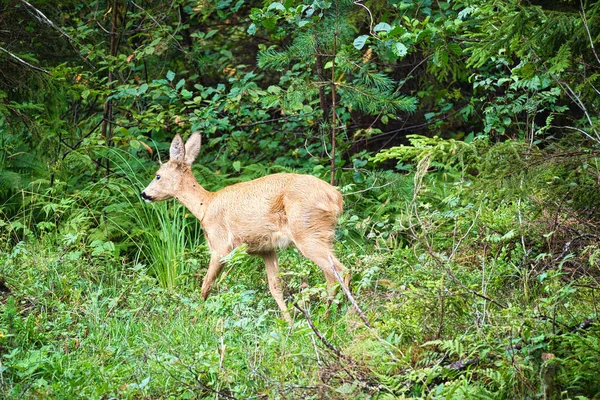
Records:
x=161, y=233
x=164, y=230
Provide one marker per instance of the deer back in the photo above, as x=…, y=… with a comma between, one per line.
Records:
x=271, y=212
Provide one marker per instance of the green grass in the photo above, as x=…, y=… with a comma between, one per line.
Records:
x=456, y=312
x=70, y=328
x=67, y=333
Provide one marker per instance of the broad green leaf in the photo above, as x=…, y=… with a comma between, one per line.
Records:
x=276, y=6
x=399, y=49
x=360, y=41
x=135, y=144
x=382, y=27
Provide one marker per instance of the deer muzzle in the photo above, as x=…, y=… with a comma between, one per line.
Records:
x=146, y=198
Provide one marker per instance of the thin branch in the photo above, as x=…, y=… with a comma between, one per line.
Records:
x=406, y=128
x=580, y=131
x=25, y=63
x=327, y=344
x=45, y=20
x=40, y=16
x=413, y=70
x=201, y=384
x=372, y=187
x=285, y=118
x=179, y=46
x=577, y=100
x=358, y=3
x=587, y=29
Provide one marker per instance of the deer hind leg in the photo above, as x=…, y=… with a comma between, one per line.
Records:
x=270, y=259
x=320, y=251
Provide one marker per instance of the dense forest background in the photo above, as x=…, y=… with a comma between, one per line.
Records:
x=464, y=136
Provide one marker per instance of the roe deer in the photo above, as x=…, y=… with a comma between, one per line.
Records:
x=266, y=214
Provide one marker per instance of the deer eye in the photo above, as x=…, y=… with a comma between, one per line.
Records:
x=157, y=177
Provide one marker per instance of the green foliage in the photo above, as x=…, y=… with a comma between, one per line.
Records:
x=467, y=154
x=325, y=42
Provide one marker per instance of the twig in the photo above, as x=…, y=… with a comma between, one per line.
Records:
x=40, y=16
x=358, y=3
x=587, y=29
x=348, y=294
x=43, y=19
x=285, y=118
x=406, y=128
x=462, y=364
x=583, y=325
x=577, y=100
x=25, y=63
x=418, y=184
x=372, y=187
x=570, y=242
x=327, y=344
x=580, y=131
x=179, y=46
x=197, y=377
x=473, y=292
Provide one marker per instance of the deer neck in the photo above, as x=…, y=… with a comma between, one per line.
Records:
x=194, y=197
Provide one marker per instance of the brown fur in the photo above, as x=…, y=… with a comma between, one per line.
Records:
x=265, y=214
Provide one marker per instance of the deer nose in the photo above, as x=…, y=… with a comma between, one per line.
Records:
x=146, y=197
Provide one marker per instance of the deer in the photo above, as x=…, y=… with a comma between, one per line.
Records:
x=265, y=214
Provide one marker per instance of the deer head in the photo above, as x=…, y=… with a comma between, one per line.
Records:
x=172, y=176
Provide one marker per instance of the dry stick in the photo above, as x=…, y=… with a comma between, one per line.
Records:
x=179, y=46
x=429, y=249
x=358, y=3
x=360, y=312
x=200, y=384
x=455, y=278
x=577, y=100
x=318, y=333
x=43, y=19
x=25, y=63
x=587, y=29
x=331, y=347
x=40, y=16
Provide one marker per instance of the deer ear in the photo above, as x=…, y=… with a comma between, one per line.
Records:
x=192, y=148
x=177, y=151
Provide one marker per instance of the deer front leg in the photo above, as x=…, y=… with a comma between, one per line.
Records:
x=214, y=269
